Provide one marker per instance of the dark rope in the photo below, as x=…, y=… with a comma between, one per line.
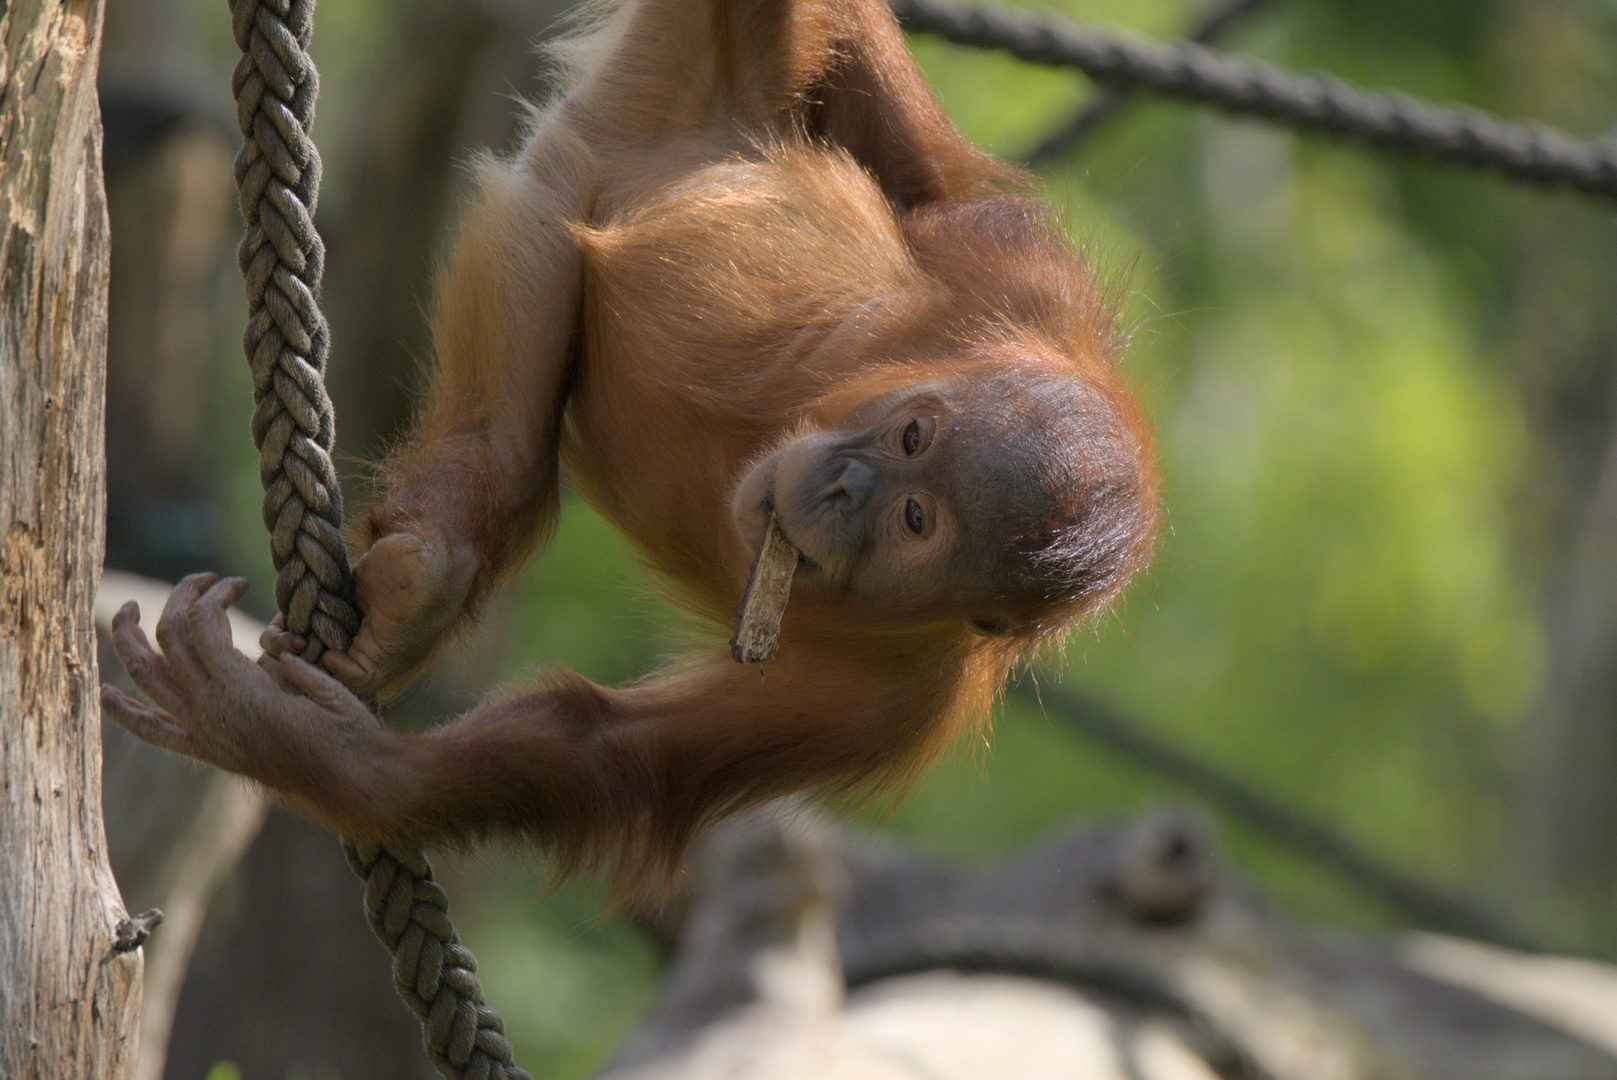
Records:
x=1454, y=134
x=434, y=974
x=281, y=256
x=286, y=340
x=1208, y=29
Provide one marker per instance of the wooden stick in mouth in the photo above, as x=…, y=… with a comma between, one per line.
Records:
x=763, y=602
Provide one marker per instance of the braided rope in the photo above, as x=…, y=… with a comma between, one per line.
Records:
x=286, y=342
x=434, y=974
x=1208, y=29
x=1455, y=134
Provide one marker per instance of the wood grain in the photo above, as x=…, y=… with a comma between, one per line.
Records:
x=763, y=603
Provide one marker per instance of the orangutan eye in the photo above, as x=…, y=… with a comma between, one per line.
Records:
x=914, y=517
x=912, y=443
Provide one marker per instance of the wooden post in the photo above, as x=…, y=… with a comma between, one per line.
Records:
x=69, y=996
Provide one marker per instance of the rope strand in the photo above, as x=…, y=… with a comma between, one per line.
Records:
x=1189, y=72
x=1208, y=29
x=286, y=342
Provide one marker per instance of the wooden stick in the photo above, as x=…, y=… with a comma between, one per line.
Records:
x=764, y=601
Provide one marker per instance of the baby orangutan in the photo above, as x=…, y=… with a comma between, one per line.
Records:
x=742, y=268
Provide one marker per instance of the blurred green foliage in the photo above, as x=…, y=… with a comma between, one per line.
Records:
x=1356, y=366
x=568, y=981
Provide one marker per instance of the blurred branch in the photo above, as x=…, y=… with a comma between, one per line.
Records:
x=1575, y=801
x=1212, y=26
x=1313, y=839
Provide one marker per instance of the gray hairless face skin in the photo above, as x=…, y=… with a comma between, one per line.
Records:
x=966, y=480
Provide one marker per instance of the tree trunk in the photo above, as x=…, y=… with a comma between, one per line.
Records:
x=69, y=998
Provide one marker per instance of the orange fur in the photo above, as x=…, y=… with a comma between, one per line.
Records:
x=743, y=219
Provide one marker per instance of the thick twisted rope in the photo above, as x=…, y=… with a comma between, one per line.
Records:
x=286, y=341
x=1184, y=70
x=1212, y=25
x=434, y=974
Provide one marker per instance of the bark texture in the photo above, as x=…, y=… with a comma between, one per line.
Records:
x=69, y=1003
